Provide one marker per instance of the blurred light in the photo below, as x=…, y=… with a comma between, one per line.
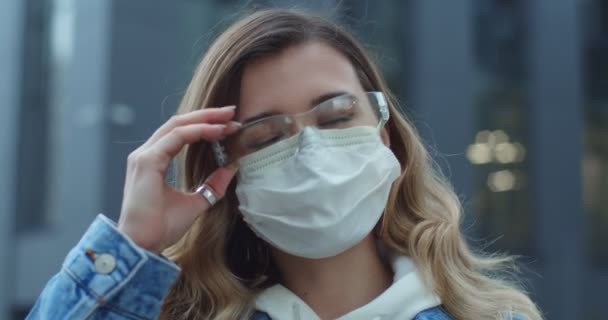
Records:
x=87, y=116
x=493, y=146
x=499, y=137
x=491, y=138
x=122, y=114
x=505, y=152
x=479, y=153
x=502, y=181
x=483, y=136
x=521, y=152
x=62, y=30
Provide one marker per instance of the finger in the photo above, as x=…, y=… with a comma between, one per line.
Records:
x=169, y=145
x=218, y=183
x=210, y=115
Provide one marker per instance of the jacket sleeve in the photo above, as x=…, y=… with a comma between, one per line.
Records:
x=106, y=276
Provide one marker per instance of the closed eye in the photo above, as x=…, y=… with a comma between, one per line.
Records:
x=335, y=121
x=256, y=145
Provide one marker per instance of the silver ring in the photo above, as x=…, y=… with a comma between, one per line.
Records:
x=207, y=193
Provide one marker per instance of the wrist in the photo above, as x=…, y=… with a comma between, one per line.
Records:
x=141, y=241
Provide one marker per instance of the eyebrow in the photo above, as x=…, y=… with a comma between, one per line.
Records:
x=316, y=101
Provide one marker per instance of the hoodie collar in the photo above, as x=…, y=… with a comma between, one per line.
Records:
x=404, y=299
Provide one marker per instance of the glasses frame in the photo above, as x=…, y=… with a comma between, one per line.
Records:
x=221, y=157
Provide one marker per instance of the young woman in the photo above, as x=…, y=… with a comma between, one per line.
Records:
x=335, y=210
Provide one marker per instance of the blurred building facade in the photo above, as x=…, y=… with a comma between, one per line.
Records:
x=511, y=96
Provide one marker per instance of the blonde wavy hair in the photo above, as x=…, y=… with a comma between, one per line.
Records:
x=224, y=264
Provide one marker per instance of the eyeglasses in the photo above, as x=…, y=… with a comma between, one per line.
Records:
x=341, y=112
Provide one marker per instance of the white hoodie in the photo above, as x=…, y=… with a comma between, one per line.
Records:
x=403, y=300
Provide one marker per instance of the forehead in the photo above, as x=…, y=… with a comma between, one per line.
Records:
x=290, y=81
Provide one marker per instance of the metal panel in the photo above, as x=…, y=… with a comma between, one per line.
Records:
x=80, y=53
x=441, y=85
x=556, y=118
x=151, y=64
x=11, y=29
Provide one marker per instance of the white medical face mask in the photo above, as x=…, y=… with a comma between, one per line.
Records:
x=318, y=193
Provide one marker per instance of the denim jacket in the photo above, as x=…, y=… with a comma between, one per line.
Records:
x=107, y=276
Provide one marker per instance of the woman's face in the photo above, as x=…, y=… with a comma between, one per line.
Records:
x=294, y=81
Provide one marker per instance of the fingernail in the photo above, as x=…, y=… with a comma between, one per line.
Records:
x=230, y=107
x=232, y=127
x=218, y=126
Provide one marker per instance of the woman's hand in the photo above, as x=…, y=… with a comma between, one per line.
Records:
x=154, y=214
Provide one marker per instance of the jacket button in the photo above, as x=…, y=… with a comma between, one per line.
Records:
x=104, y=263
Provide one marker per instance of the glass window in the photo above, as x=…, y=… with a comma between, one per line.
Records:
x=383, y=28
x=501, y=200
x=33, y=118
x=595, y=157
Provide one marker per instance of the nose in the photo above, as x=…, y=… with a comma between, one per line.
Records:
x=309, y=135
x=298, y=124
